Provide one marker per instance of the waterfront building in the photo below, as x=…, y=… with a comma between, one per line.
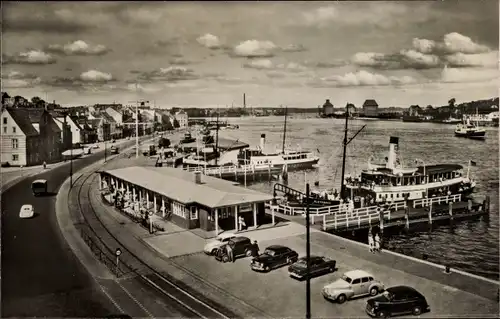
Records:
x=327, y=108
x=370, y=108
x=29, y=137
x=188, y=199
x=182, y=118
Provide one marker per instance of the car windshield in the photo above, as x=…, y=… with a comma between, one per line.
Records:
x=388, y=295
x=269, y=252
x=345, y=278
x=27, y=208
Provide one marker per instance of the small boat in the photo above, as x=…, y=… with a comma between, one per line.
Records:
x=451, y=120
x=469, y=130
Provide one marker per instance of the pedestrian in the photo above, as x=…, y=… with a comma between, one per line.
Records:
x=255, y=249
x=370, y=241
x=44, y=165
x=377, y=243
x=229, y=251
x=241, y=223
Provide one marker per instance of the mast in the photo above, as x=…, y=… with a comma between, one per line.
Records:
x=344, y=143
x=217, y=138
x=284, y=131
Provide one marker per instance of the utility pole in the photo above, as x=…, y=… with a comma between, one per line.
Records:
x=308, y=256
x=217, y=138
x=137, y=121
x=284, y=131
x=344, y=144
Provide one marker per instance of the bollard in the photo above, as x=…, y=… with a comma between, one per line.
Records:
x=450, y=210
x=425, y=257
x=469, y=205
x=447, y=269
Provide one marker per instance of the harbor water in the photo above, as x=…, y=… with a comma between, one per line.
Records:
x=472, y=246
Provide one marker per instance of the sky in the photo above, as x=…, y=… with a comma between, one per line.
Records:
x=295, y=54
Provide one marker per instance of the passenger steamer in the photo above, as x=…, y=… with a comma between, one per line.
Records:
x=392, y=182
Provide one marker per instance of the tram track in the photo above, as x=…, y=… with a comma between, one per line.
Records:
x=131, y=265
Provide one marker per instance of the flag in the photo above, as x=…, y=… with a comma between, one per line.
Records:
x=472, y=163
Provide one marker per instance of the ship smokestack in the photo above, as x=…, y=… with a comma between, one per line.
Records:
x=262, y=141
x=393, y=144
x=244, y=101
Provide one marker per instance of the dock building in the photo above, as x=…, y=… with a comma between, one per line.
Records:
x=188, y=199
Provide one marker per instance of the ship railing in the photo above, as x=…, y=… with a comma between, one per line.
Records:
x=437, y=200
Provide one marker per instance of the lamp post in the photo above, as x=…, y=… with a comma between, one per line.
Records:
x=70, y=152
x=308, y=257
x=426, y=180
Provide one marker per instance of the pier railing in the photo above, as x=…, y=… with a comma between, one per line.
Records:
x=436, y=200
x=250, y=168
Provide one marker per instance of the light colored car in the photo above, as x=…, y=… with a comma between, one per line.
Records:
x=353, y=283
x=222, y=239
x=27, y=211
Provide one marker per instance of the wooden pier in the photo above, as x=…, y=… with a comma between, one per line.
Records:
x=400, y=214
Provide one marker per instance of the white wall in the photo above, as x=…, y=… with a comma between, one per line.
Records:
x=9, y=132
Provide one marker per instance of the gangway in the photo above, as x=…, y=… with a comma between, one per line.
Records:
x=300, y=197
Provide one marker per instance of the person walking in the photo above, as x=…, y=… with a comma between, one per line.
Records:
x=377, y=243
x=255, y=249
x=229, y=251
x=370, y=241
x=241, y=223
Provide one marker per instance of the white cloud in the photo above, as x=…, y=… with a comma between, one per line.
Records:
x=259, y=64
x=455, y=42
x=210, y=41
x=31, y=57
x=95, y=76
x=424, y=45
x=78, y=47
x=415, y=58
x=18, y=83
x=141, y=88
x=255, y=48
x=171, y=73
x=455, y=75
x=489, y=59
x=372, y=59
x=365, y=78
x=294, y=48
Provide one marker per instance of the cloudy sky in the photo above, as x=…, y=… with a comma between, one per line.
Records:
x=290, y=53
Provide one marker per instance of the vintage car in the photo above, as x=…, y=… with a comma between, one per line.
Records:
x=398, y=300
x=222, y=239
x=114, y=150
x=274, y=257
x=241, y=246
x=353, y=283
x=27, y=211
x=319, y=265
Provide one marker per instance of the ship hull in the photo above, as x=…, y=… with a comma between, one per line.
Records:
x=473, y=135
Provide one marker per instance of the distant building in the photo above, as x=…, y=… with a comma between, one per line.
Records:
x=351, y=109
x=415, y=110
x=327, y=108
x=115, y=114
x=370, y=108
x=29, y=137
x=7, y=100
x=182, y=118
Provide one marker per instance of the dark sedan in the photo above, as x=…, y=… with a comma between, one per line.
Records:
x=397, y=300
x=273, y=257
x=319, y=266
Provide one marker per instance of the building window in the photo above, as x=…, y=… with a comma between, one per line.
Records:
x=5, y=129
x=15, y=143
x=194, y=213
x=178, y=209
x=15, y=157
x=13, y=129
x=4, y=120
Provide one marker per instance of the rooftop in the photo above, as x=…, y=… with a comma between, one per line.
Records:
x=370, y=102
x=180, y=185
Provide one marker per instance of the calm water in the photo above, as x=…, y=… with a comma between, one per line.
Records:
x=472, y=246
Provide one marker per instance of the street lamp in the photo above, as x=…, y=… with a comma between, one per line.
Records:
x=425, y=176
x=308, y=256
x=70, y=152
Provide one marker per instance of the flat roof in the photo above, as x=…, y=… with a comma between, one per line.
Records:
x=180, y=186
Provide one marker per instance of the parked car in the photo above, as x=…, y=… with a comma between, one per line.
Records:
x=114, y=150
x=222, y=239
x=242, y=246
x=319, y=266
x=273, y=257
x=27, y=211
x=353, y=283
x=397, y=300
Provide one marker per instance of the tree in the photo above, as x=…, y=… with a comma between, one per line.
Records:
x=164, y=142
x=168, y=125
x=451, y=102
x=176, y=123
x=35, y=100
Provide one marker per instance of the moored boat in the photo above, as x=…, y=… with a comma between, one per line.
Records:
x=392, y=182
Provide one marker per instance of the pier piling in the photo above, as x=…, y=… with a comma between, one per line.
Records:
x=469, y=205
x=486, y=204
x=407, y=217
x=450, y=210
x=381, y=219
x=430, y=214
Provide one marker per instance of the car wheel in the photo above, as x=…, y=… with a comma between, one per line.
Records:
x=341, y=298
x=248, y=253
x=416, y=311
x=267, y=268
x=214, y=251
x=225, y=259
x=374, y=291
x=382, y=314
x=289, y=261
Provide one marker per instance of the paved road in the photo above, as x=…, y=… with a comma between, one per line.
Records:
x=40, y=274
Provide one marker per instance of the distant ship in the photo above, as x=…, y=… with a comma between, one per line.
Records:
x=451, y=120
x=470, y=130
